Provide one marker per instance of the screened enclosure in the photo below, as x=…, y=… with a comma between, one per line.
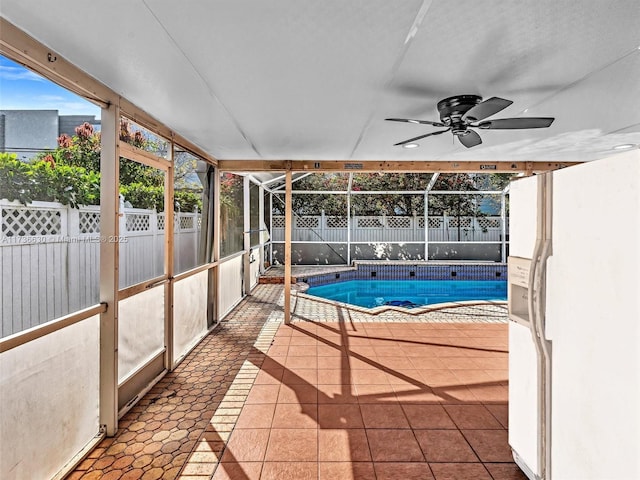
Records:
x=339, y=218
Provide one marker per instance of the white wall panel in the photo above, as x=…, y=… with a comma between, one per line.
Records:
x=140, y=330
x=189, y=312
x=255, y=266
x=49, y=394
x=230, y=288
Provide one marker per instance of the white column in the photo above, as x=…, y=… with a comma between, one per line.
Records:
x=246, y=188
x=109, y=268
x=503, y=223
x=287, y=249
x=260, y=224
x=349, y=185
x=214, y=275
x=169, y=259
x=426, y=225
x=270, y=228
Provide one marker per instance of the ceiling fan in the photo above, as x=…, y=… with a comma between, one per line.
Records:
x=461, y=113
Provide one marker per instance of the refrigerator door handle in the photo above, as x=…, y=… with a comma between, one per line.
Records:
x=536, y=306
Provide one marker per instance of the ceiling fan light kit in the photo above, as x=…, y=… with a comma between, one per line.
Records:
x=460, y=113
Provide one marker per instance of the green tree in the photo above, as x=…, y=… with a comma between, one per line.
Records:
x=403, y=204
x=70, y=174
x=393, y=203
x=44, y=181
x=313, y=204
x=454, y=205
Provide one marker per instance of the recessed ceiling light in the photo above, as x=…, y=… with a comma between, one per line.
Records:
x=624, y=146
x=410, y=145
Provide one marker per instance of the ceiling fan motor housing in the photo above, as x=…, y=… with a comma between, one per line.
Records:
x=452, y=109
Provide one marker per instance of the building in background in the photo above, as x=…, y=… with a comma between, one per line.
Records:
x=29, y=132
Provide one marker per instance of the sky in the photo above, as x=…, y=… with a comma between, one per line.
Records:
x=21, y=89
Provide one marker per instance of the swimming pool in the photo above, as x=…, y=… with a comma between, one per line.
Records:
x=410, y=293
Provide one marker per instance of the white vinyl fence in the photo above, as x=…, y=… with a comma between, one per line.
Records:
x=49, y=257
x=392, y=229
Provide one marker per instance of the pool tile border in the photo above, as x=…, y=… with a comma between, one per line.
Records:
x=411, y=271
x=390, y=308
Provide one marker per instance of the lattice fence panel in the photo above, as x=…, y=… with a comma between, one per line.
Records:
x=22, y=222
x=464, y=222
x=368, y=222
x=489, y=222
x=278, y=222
x=186, y=222
x=89, y=222
x=337, y=222
x=307, y=222
x=137, y=222
x=161, y=221
x=398, y=222
x=435, y=222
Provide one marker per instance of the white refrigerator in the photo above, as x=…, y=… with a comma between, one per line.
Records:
x=574, y=329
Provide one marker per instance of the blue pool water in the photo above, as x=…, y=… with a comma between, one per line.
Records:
x=410, y=293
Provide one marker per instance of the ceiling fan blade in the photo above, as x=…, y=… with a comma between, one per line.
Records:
x=410, y=120
x=420, y=137
x=487, y=108
x=514, y=123
x=471, y=139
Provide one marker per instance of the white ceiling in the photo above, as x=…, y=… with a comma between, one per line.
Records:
x=291, y=79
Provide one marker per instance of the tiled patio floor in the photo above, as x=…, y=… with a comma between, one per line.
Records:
x=323, y=400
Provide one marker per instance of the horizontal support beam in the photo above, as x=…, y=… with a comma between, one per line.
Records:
x=391, y=192
x=142, y=156
x=404, y=166
x=392, y=242
x=20, y=338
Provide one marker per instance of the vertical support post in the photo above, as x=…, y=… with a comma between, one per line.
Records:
x=169, y=258
x=196, y=237
x=109, y=268
x=349, y=228
x=474, y=219
x=445, y=220
x=260, y=225
x=349, y=185
x=426, y=225
x=430, y=186
x=287, y=248
x=503, y=226
x=246, y=237
x=270, y=228
x=214, y=273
